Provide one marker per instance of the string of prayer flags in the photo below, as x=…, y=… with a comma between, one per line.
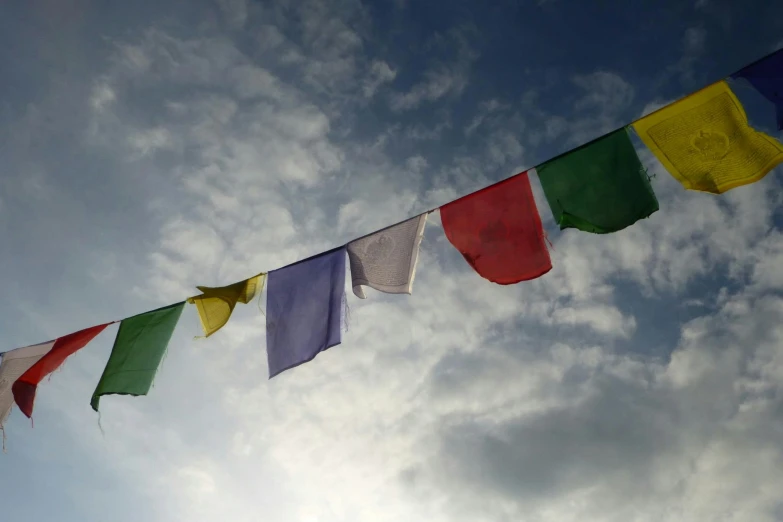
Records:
x=304, y=310
x=706, y=143
x=704, y=140
x=386, y=260
x=13, y=365
x=498, y=231
x=600, y=187
x=26, y=385
x=215, y=304
x=766, y=76
x=138, y=349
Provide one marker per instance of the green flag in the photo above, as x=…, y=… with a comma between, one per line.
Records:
x=138, y=349
x=600, y=187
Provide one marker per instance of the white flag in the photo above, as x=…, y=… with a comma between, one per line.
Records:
x=14, y=364
x=386, y=260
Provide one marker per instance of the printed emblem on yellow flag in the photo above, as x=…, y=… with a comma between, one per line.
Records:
x=706, y=143
x=215, y=305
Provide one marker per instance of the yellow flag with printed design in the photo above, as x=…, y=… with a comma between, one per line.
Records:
x=706, y=143
x=215, y=305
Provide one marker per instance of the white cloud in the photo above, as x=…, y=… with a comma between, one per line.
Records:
x=416, y=163
x=606, y=96
x=150, y=140
x=436, y=84
x=442, y=79
x=555, y=127
x=599, y=105
x=604, y=319
x=253, y=82
x=654, y=106
x=503, y=146
x=633, y=441
x=694, y=41
x=421, y=132
x=234, y=11
x=693, y=44
x=102, y=95
x=379, y=74
x=485, y=109
x=605, y=91
x=134, y=58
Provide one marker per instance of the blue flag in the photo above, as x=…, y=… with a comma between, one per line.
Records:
x=303, y=311
x=766, y=76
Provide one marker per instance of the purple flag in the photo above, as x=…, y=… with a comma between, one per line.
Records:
x=766, y=76
x=303, y=311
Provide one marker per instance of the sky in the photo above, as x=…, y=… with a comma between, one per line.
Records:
x=149, y=147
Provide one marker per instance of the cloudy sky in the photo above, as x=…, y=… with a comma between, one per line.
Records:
x=152, y=146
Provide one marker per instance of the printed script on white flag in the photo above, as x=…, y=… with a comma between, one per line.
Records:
x=386, y=260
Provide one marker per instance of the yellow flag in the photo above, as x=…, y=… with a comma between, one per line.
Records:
x=705, y=141
x=215, y=305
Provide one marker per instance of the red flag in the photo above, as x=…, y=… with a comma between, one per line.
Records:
x=25, y=386
x=498, y=231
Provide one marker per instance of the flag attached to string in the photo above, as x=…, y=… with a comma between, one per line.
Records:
x=498, y=231
x=386, y=260
x=600, y=187
x=138, y=349
x=215, y=305
x=304, y=310
x=766, y=76
x=14, y=364
x=26, y=385
x=705, y=142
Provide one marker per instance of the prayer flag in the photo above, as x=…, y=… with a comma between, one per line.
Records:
x=705, y=142
x=14, y=364
x=498, y=231
x=766, y=76
x=25, y=386
x=600, y=187
x=386, y=260
x=138, y=349
x=215, y=305
x=303, y=312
